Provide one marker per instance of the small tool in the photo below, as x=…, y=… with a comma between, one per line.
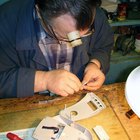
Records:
x=12, y=136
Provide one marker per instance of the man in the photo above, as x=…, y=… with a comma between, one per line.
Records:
x=61, y=46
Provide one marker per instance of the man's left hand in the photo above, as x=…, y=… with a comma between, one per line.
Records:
x=93, y=77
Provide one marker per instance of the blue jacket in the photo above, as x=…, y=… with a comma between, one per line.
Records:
x=20, y=55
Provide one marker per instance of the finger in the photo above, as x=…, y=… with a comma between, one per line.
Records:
x=73, y=87
x=93, y=83
x=69, y=91
x=75, y=79
x=75, y=84
x=98, y=81
x=86, y=79
x=84, y=82
x=91, y=88
x=63, y=93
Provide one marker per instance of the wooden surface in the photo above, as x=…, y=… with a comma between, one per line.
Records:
x=28, y=112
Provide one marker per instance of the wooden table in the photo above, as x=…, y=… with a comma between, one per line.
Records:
x=28, y=112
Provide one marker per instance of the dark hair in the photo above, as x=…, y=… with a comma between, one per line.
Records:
x=81, y=10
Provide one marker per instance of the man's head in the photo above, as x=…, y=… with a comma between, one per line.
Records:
x=66, y=16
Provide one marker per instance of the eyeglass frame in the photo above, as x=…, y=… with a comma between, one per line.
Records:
x=48, y=27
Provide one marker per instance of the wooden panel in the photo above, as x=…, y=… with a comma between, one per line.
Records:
x=117, y=100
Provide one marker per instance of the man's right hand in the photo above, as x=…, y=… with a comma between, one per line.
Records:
x=60, y=82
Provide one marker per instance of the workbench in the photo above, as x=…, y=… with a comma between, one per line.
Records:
x=22, y=113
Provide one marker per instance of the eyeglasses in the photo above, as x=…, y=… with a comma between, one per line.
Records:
x=55, y=36
x=49, y=29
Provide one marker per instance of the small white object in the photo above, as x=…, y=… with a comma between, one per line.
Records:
x=75, y=112
x=101, y=133
x=132, y=90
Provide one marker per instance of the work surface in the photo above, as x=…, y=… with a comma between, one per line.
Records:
x=28, y=112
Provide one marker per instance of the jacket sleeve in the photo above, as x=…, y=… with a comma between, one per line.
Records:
x=15, y=81
x=102, y=41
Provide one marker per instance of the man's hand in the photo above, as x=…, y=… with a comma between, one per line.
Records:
x=60, y=82
x=93, y=77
